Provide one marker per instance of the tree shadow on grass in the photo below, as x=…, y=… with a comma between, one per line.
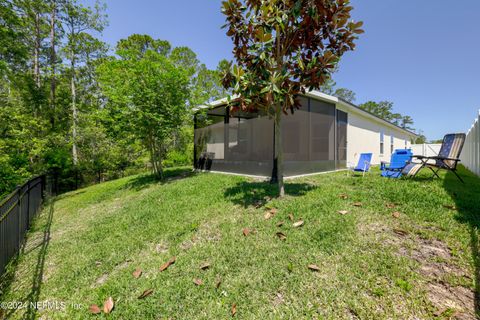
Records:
x=169, y=175
x=467, y=202
x=257, y=194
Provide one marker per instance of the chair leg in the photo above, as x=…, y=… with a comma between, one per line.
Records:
x=435, y=174
x=459, y=178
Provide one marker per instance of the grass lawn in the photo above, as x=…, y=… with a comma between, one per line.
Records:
x=403, y=249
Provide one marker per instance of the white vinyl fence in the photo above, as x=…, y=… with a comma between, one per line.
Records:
x=426, y=149
x=471, y=150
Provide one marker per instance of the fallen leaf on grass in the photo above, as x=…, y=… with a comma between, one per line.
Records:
x=94, y=309
x=313, y=267
x=137, y=273
x=205, y=266
x=357, y=204
x=145, y=293
x=197, y=281
x=343, y=212
x=257, y=204
x=390, y=205
x=108, y=305
x=234, y=309
x=450, y=207
x=290, y=216
x=246, y=231
x=400, y=232
x=396, y=214
x=297, y=224
x=270, y=213
x=281, y=236
x=167, y=264
x=218, y=283
x=343, y=196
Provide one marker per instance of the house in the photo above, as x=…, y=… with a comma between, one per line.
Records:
x=325, y=134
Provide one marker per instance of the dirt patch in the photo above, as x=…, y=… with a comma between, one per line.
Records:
x=161, y=248
x=205, y=233
x=278, y=299
x=104, y=277
x=458, y=299
x=435, y=264
x=101, y=280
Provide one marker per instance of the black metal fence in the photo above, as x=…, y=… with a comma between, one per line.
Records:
x=16, y=213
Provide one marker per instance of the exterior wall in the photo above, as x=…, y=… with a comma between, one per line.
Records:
x=243, y=143
x=363, y=135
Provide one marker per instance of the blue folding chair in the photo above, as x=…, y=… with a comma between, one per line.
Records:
x=364, y=163
x=400, y=158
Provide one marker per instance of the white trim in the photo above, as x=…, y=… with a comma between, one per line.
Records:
x=267, y=178
x=313, y=174
x=237, y=174
x=215, y=103
x=321, y=96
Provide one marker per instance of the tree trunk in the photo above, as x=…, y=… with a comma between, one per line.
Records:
x=279, y=150
x=53, y=58
x=74, y=113
x=157, y=159
x=36, y=53
x=153, y=160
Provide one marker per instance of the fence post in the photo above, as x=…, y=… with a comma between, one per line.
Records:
x=28, y=204
x=19, y=218
x=43, y=185
x=477, y=143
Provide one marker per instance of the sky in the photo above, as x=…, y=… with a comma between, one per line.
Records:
x=422, y=55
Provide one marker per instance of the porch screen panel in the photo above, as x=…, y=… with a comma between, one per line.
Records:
x=249, y=145
x=209, y=138
x=342, y=123
x=308, y=138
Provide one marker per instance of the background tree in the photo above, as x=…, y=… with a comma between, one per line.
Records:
x=345, y=94
x=384, y=110
x=281, y=49
x=39, y=40
x=153, y=100
x=78, y=21
x=407, y=122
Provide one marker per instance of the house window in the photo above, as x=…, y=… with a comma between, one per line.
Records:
x=382, y=139
x=391, y=144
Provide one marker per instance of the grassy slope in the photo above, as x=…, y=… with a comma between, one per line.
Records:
x=99, y=235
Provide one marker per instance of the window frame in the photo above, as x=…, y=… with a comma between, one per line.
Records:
x=382, y=143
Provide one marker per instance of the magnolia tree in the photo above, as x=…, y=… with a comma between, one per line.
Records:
x=282, y=48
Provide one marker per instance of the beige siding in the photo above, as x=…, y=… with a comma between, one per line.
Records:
x=363, y=135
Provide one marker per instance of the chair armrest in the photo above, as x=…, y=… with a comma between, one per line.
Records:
x=419, y=156
x=444, y=158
